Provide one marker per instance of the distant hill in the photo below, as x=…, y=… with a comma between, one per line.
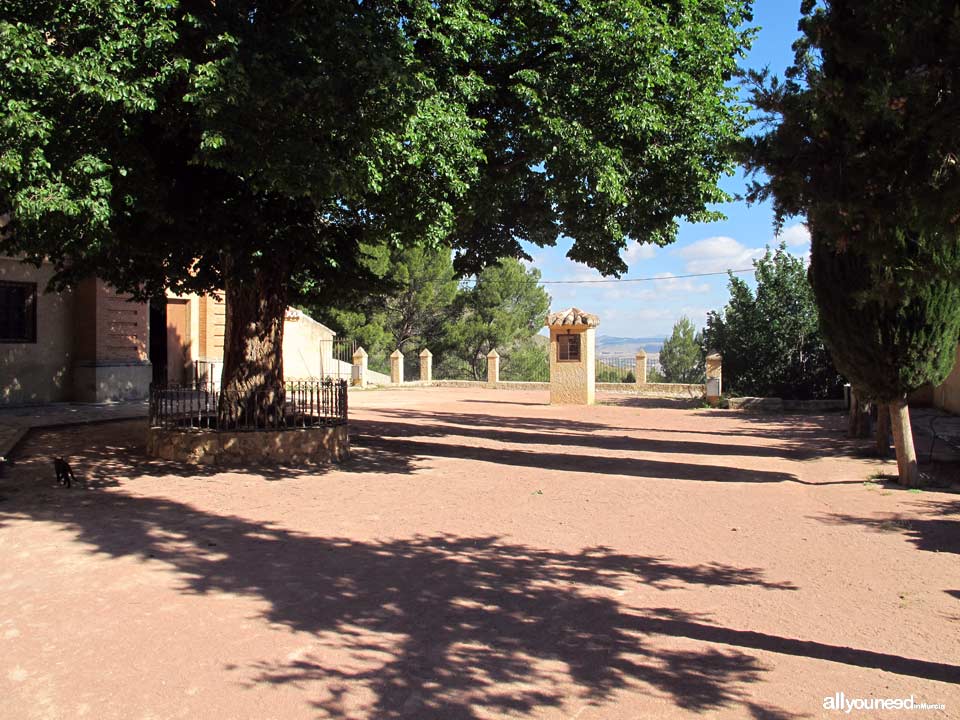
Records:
x=612, y=345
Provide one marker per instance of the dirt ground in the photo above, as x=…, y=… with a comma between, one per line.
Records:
x=482, y=555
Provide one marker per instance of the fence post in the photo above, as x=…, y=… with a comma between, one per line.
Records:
x=714, y=378
x=641, y=372
x=396, y=367
x=359, y=371
x=426, y=366
x=493, y=367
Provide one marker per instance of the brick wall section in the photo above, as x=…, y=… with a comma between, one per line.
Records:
x=122, y=327
x=109, y=328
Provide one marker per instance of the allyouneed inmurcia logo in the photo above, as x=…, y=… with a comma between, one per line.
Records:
x=841, y=703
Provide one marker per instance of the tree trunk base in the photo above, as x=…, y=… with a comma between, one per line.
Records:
x=882, y=431
x=908, y=472
x=858, y=425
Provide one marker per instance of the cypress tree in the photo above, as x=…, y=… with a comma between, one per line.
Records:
x=889, y=330
x=863, y=139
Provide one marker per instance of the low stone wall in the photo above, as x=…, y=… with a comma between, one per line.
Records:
x=258, y=447
x=655, y=389
x=776, y=405
x=680, y=390
x=502, y=385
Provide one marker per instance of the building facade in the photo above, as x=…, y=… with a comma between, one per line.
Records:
x=93, y=344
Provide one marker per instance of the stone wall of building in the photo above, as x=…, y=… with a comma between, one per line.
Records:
x=111, y=334
x=41, y=371
x=307, y=347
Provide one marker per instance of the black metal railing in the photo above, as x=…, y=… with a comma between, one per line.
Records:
x=201, y=405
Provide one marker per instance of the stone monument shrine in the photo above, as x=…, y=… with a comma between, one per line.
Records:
x=572, y=357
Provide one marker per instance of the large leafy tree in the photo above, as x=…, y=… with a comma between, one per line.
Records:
x=680, y=356
x=252, y=147
x=863, y=140
x=769, y=338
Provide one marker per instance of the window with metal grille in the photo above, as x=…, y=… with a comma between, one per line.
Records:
x=18, y=312
x=568, y=348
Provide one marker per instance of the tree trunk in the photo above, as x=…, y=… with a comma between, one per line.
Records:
x=903, y=442
x=859, y=421
x=252, y=391
x=882, y=430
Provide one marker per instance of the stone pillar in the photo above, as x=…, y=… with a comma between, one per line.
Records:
x=572, y=357
x=426, y=366
x=493, y=367
x=641, y=374
x=358, y=375
x=714, y=378
x=396, y=367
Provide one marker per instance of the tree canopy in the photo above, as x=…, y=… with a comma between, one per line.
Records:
x=862, y=131
x=253, y=147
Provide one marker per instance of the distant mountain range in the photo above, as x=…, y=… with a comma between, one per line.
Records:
x=611, y=345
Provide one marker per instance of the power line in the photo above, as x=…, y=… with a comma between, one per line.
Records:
x=643, y=279
x=473, y=281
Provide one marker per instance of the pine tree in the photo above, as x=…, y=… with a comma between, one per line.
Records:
x=680, y=356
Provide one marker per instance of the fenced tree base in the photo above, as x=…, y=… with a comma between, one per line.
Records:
x=296, y=446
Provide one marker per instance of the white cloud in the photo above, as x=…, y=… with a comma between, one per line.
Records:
x=718, y=254
x=795, y=236
x=636, y=252
x=537, y=260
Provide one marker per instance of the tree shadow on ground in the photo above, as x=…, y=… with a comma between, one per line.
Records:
x=443, y=626
x=399, y=438
x=437, y=627
x=119, y=450
x=799, y=437
x=582, y=463
x=446, y=425
x=933, y=533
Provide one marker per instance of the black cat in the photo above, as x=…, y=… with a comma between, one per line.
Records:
x=64, y=473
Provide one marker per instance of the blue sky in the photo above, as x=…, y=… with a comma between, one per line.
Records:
x=642, y=309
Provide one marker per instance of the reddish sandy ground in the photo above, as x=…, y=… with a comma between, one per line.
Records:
x=483, y=555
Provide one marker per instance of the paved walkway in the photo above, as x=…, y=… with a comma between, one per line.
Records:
x=17, y=421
